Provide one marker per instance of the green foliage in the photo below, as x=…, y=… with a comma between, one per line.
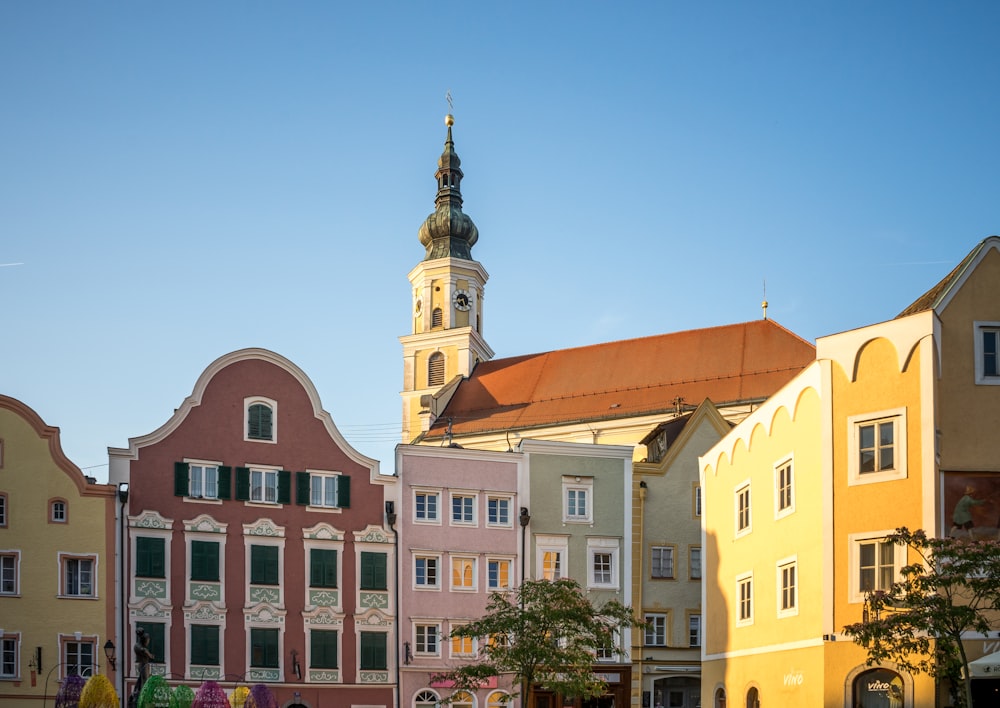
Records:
x=182, y=697
x=543, y=633
x=918, y=623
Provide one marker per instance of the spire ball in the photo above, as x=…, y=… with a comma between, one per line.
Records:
x=449, y=120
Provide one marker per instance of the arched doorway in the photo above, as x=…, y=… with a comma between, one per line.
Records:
x=720, y=698
x=753, y=698
x=878, y=688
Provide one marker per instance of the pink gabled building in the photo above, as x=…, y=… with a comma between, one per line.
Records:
x=461, y=539
x=256, y=543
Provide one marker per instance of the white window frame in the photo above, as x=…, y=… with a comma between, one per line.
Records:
x=265, y=471
x=656, y=629
x=551, y=544
x=462, y=654
x=694, y=629
x=692, y=552
x=745, y=580
x=855, y=541
x=204, y=466
x=510, y=575
x=67, y=640
x=64, y=560
x=671, y=551
x=500, y=500
x=980, y=328
x=473, y=507
x=427, y=494
x=854, y=424
x=473, y=561
x=62, y=517
x=15, y=571
x=576, y=485
x=436, y=558
x=251, y=400
x=426, y=638
x=326, y=477
x=783, y=568
x=610, y=652
x=10, y=656
x=601, y=547
x=420, y=699
x=738, y=493
x=789, y=464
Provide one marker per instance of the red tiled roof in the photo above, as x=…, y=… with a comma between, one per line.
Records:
x=727, y=364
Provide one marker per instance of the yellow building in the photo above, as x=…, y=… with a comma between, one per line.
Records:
x=887, y=428
x=57, y=562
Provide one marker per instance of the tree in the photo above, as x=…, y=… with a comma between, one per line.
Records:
x=544, y=633
x=918, y=623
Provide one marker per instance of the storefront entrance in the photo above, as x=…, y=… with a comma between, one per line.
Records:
x=878, y=688
x=677, y=692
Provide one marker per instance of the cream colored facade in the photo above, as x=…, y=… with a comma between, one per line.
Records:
x=57, y=562
x=447, y=323
x=874, y=435
x=667, y=558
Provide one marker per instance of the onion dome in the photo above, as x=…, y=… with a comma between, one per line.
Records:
x=448, y=232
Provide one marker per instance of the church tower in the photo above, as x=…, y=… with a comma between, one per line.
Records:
x=447, y=287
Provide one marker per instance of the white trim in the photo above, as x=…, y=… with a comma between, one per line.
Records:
x=578, y=483
x=737, y=492
x=474, y=560
x=436, y=585
x=436, y=521
x=789, y=562
x=978, y=328
x=604, y=546
x=854, y=540
x=768, y=649
x=475, y=509
x=555, y=544
x=899, y=470
x=740, y=580
x=785, y=461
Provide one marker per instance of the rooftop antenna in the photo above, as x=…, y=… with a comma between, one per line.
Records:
x=763, y=305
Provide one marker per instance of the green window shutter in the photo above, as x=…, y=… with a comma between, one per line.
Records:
x=373, y=575
x=322, y=568
x=155, y=630
x=243, y=483
x=284, y=487
x=263, y=565
x=302, y=495
x=150, y=561
x=205, y=644
x=323, y=644
x=264, y=648
x=259, y=422
x=373, y=651
x=181, y=480
x=344, y=491
x=225, y=482
x=204, y=560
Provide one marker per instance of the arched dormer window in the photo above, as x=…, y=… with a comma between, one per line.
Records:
x=58, y=511
x=437, y=317
x=260, y=419
x=435, y=369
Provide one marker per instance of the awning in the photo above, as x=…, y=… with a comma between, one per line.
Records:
x=986, y=666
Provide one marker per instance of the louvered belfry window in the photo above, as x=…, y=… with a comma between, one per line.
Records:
x=437, y=317
x=435, y=369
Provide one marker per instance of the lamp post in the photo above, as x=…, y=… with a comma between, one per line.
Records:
x=109, y=653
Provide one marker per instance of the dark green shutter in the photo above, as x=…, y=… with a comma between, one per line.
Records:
x=324, y=649
x=225, y=482
x=150, y=561
x=322, y=568
x=264, y=648
x=156, y=645
x=181, y=480
x=302, y=495
x=205, y=644
x=284, y=487
x=204, y=560
x=373, y=651
x=263, y=565
x=243, y=483
x=373, y=567
x=344, y=491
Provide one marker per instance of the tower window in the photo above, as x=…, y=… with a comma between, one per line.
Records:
x=435, y=369
x=437, y=317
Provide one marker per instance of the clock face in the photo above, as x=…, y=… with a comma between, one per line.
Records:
x=462, y=300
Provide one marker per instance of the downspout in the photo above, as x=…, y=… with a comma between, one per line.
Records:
x=523, y=518
x=123, y=614
x=390, y=519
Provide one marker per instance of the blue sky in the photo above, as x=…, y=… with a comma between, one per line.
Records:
x=180, y=180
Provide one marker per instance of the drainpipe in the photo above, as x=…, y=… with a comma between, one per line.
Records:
x=524, y=518
x=122, y=591
x=390, y=519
